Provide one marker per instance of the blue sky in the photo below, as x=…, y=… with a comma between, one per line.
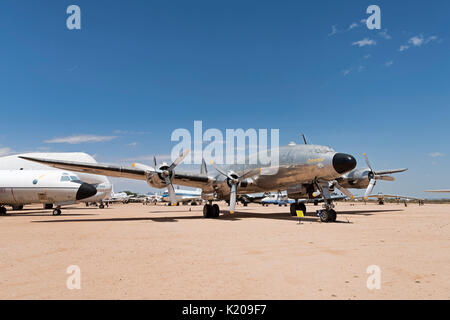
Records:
x=137, y=70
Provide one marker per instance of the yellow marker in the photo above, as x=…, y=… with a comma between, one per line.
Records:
x=211, y=162
x=231, y=212
x=41, y=176
x=300, y=214
x=365, y=198
x=133, y=165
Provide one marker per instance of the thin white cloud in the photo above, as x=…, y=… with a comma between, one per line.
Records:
x=389, y=63
x=345, y=72
x=418, y=41
x=367, y=56
x=133, y=144
x=353, y=26
x=77, y=139
x=364, y=42
x=333, y=31
x=385, y=35
x=436, y=155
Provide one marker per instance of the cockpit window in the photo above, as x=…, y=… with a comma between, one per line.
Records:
x=65, y=178
x=75, y=179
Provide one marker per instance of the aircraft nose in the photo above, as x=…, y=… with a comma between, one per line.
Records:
x=343, y=163
x=86, y=190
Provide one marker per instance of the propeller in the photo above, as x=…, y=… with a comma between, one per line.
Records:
x=233, y=181
x=374, y=176
x=165, y=172
x=343, y=190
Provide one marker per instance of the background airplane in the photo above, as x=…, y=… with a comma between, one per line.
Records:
x=21, y=187
x=184, y=196
x=382, y=197
x=101, y=183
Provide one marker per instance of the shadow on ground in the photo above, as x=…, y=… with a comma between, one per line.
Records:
x=225, y=216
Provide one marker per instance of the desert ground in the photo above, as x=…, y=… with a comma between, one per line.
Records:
x=157, y=252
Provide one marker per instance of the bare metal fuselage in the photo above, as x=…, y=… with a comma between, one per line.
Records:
x=298, y=165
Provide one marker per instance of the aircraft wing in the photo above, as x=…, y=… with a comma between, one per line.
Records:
x=185, y=179
x=94, y=168
x=391, y=196
x=391, y=171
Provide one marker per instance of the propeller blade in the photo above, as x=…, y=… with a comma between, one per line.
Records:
x=344, y=191
x=142, y=166
x=370, y=188
x=179, y=159
x=171, y=190
x=219, y=170
x=392, y=171
x=250, y=173
x=368, y=163
x=384, y=178
x=154, y=161
x=233, y=197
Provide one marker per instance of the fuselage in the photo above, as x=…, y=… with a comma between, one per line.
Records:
x=20, y=187
x=102, y=184
x=298, y=164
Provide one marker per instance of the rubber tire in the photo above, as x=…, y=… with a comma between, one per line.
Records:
x=294, y=208
x=332, y=215
x=215, y=211
x=3, y=211
x=324, y=217
x=207, y=210
x=102, y=206
x=302, y=207
x=56, y=213
x=328, y=216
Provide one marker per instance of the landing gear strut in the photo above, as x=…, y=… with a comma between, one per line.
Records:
x=328, y=214
x=211, y=211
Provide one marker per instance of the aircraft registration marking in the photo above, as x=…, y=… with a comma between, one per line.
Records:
x=316, y=160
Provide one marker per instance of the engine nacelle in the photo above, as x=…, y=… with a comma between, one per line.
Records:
x=300, y=191
x=208, y=196
x=154, y=180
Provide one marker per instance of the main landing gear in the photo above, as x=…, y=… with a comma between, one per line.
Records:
x=297, y=207
x=211, y=210
x=2, y=211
